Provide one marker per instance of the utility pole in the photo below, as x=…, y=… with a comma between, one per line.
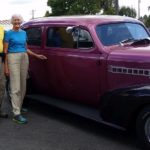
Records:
x=139, y=1
x=117, y=7
x=33, y=12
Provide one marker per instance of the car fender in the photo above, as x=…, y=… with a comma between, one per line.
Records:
x=121, y=106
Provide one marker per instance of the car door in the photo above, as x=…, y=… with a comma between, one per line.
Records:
x=73, y=65
x=37, y=69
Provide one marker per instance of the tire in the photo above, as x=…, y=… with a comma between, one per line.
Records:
x=143, y=127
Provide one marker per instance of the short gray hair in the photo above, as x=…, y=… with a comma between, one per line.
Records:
x=16, y=16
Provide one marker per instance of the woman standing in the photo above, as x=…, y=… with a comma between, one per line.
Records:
x=16, y=65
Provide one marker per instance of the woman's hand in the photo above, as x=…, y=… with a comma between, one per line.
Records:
x=41, y=57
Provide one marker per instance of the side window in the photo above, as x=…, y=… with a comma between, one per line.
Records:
x=58, y=37
x=34, y=36
x=82, y=39
x=54, y=37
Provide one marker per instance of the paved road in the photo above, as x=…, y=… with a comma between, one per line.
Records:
x=53, y=129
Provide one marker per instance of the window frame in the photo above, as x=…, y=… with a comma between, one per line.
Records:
x=65, y=48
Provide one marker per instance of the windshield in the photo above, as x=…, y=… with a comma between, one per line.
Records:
x=111, y=34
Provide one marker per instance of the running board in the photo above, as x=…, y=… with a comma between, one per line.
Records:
x=81, y=110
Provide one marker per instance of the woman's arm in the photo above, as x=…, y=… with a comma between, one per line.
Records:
x=34, y=54
x=5, y=47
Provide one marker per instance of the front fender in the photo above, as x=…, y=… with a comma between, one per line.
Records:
x=121, y=105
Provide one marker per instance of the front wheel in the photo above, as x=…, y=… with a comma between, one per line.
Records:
x=143, y=127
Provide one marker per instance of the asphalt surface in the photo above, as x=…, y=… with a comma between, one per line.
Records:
x=49, y=128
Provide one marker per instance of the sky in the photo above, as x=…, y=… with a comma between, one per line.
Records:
x=25, y=8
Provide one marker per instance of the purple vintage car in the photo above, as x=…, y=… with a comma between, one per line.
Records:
x=97, y=67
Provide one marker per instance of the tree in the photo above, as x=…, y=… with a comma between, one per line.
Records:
x=47, y=14
x=57, y=6
x=146, y=20
x=127, y=11
x=108, y=6
x=77, y=7
x=84, y=7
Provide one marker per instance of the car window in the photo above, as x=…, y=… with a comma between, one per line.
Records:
x=58, y=37
x=34, y=36
x=82, y=38
x=111, y=34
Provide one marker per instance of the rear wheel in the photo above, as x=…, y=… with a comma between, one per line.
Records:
x=143, y=127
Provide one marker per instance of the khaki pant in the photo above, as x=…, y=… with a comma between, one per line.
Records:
x=2, y=82
x=18, y=67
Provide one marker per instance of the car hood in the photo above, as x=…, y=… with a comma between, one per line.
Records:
x=130, y=53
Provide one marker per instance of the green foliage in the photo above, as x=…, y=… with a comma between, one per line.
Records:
x=84, y=7
x=81, y=7
x=127, y=11
x=146, y=20
x=108, y=7
x=59, y=7
x=78, y=7
x=47, y=14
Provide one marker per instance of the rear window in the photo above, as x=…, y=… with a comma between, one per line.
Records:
x=34, y=36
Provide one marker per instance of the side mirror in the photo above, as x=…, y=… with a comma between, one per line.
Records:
x=70, y=29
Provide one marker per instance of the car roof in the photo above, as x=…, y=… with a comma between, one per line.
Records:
x=86, y=19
